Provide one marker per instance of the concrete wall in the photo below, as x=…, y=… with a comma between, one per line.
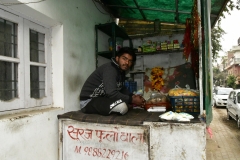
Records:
x=91, y=141
x=33, y=134
x=183, y=141
x=152, y=140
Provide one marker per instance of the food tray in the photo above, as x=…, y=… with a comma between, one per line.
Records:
x=160, y=104
x=187, y=104
x=156, y=109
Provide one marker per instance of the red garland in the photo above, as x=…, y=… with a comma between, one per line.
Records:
x=191, y=41
x=195, y=62
x=196, y=20
x=187, y=39
x=195, y=42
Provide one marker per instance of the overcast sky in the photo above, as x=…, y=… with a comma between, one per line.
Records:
x=231, y=25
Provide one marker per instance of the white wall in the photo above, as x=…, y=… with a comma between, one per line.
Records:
x=185, y=141
x=34, y=135
x=165, y=60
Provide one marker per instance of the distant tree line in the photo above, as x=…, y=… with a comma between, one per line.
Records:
x=222, y=79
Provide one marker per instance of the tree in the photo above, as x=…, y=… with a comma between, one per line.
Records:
x=231, y=79
x=219, y=77
x=217, y=32
x=216, y=35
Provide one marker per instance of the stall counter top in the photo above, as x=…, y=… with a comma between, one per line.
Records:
x=134, y=117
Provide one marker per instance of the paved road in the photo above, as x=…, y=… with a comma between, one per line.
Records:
x=225, y=143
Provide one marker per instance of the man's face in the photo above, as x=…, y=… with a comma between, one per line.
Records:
x=124, y=61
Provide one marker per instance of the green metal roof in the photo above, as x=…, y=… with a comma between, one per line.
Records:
x=169, y=11
x=175, y=12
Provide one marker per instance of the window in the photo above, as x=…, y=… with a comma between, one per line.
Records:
x=224, y=91
x=238, y=97
x=8, y=69
x=37, y=73
x=25, y=63
x=231, y=95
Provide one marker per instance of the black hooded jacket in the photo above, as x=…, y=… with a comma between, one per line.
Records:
x=106, y=81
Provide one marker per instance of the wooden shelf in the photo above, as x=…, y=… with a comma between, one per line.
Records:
x=159, y=52
x=113, y=31
x=108, y=28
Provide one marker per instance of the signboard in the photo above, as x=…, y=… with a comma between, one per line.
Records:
x=103, y=141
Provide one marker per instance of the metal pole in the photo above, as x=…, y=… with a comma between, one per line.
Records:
x=199, y=81
x=207, y=61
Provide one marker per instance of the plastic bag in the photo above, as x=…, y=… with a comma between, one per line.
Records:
x=183, y=92
x=156, y=97
x=180, y=117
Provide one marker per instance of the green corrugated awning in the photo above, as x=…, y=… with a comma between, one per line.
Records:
x=134, y=12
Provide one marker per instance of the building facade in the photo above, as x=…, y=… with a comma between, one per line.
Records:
x=232, y=64
x=31, y=133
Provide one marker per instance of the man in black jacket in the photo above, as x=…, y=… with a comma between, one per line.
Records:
x=104, y=91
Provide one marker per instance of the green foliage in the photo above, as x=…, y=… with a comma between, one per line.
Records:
x=237, y=86
x=219, y=78
x=217, y=32
x=216, y=70
x=231, y=81
x=238, y=4
x=216, y=35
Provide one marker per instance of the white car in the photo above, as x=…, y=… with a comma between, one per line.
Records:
x=220, y=96
x=233, y=106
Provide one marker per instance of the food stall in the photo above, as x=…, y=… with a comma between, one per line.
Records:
x=181, y=57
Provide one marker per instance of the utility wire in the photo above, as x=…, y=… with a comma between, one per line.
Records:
x=12, y=4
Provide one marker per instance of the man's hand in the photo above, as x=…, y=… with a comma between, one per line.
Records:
x=138, y=100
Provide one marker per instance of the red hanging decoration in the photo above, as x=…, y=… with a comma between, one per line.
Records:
x=191, y=41
x=187, y=39
x=196, y=20
x=195, y=39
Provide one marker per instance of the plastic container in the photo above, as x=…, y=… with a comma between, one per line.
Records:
x=159, y=104
x=157, y=99
x=131, y=86
x=119, y=43
x=187, y=104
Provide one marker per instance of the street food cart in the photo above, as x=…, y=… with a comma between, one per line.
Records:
x=141, y=134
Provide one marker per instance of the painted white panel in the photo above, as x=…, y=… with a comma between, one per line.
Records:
x=103, y=141
x=30, y=137
x=237, y=55
x=102, y=41
x=57, y=69
x=177, y=141
x=164, y=60
x=161, y=60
